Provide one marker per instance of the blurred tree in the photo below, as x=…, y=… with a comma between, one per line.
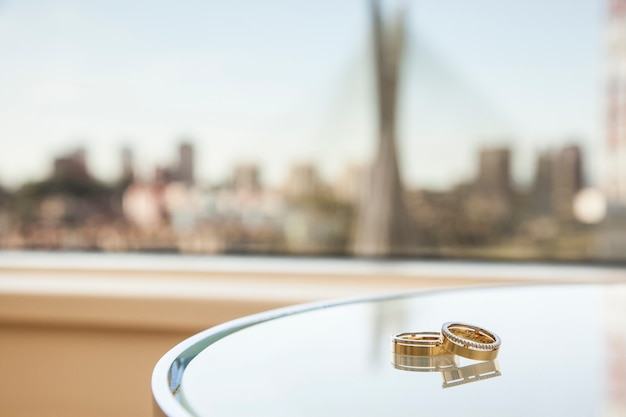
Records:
x=83, y=197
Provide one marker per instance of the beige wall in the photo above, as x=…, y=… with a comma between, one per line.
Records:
x=93, y=356
x=79, y=371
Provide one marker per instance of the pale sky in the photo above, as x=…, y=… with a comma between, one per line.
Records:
x=281, y=81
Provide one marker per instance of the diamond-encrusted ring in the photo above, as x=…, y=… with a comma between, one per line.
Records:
x=418, y=344
x=470, y=341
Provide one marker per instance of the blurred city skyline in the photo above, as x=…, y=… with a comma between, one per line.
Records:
x=281, y=83
x=428, y=161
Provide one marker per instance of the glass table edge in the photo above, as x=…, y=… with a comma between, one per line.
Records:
x=169, y=370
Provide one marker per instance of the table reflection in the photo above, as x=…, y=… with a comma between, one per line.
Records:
x=424, y=363
x=449, y=366
x=480, y=371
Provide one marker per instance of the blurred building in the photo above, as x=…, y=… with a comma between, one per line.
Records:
x=487, y=203
x=316, y=220
x=616, y=102
x=349, y=186
x=70, y=197
x=384, y=226
x=542, y=195
x=436, y=215
x=612, y=234
x=246, y=177
x=303, y=181
x=567, y=180
x=128, y=165
x=494, y=174
x=184, y=169
x=71, y=166
x=558, y=179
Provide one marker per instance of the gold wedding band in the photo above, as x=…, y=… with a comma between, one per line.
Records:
x=418, y=344
x=470, y=341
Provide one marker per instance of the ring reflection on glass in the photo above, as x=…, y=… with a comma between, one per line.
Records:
x=418, y=344
x=454, y=376
x=470, y=341
x=425, y=363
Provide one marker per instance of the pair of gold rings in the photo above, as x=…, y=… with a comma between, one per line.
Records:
x=461, y=339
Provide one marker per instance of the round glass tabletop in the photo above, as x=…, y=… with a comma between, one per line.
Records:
x=563, y=352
